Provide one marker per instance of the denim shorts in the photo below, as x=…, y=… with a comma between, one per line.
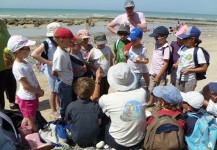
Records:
x=47, y=70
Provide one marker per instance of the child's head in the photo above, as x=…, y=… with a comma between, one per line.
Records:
x=100, y=40
x=210, y=91
x=160, y=35
x=20, y=46
x=123, y=31
x=136, y=36
x=77, y=45
x=191, y=37
x=64, y=38
x=192, y=101
x=51, y=28
x=169, y=96
x=84, y=34
x=84, y=87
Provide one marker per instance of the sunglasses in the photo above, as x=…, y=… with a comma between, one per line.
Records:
x=159, y=37
x=25, y=48
x=123, y=33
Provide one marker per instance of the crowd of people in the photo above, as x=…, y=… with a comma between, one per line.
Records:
x=80, y=74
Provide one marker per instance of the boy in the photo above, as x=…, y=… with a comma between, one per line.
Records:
x=101, y=56
x=62, y=67
x=137, y=56
x=84, y=115
x=119, y=45
x=160, y=60
x=192, y=102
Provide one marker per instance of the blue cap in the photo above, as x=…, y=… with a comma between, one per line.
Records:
x=161, y=30
x=135, y=34
x=190, y=32
x=168, y=93
x=213, y=87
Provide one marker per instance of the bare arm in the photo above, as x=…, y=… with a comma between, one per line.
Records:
x=96, y=92
x=111, y=27
x=163, y=69
x=202, y=68
x=36, y=54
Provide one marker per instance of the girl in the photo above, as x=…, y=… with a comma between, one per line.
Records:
x=29, y=91
x=51, y=46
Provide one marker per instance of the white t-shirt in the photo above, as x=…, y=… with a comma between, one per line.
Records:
x=101, y=58
x=137, y=53
x=21, y=70
x=123, y=19
x=127, y=114
x=186, y=60
x=62, y=64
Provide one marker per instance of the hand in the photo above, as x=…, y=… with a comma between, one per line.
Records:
x=50, y=63
x=55, y=74
x=175, y=66
x=157, y=79
x=185, y=71
x=84, y=68
x=40, y=93
x=99, y=73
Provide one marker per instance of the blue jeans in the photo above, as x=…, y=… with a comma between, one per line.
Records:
x=64, y=93
x=138, y=78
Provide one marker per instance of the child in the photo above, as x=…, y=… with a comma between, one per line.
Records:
x=101, y=56
x=84, y=115
x=62, y=67
x=192, y=103
x=119, y=45
x=169, y=98
x=29, y=91
x=175, y=45
x=186, y=72
x=160, y=60
x=51, y=47
x=137, y=56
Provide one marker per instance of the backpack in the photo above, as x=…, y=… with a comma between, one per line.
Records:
x=204, y=135
x=9, y=139
x=44, y=54
x=201, y=75
x=164, y=133
x=170, y=64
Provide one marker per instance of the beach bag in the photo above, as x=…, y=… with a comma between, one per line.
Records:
x=9, y=139
x=8, y=58
x=170, y=64
x=164, y=133
x=204, y=135
x=201, y=75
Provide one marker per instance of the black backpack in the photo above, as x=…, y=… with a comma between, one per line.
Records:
x=201, y=75
x=170, y=64
x=44, y=54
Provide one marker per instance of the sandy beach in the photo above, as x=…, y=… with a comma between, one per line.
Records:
x=208, y=36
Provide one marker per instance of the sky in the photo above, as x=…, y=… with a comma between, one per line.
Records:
x=176, y=6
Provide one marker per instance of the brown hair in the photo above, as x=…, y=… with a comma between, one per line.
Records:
x=84, y=87
x=168, y=106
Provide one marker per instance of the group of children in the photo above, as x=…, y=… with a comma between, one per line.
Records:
x=71, y=59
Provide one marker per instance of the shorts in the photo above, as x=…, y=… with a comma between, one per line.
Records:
x=47, y=70
x=186, y=86
x=144, y=68
x=152, y=84
x=28, y=107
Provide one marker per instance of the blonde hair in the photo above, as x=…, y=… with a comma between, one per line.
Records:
x=84, y=87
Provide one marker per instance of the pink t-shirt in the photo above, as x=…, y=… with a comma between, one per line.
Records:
x=158, y=58
x=122, y=19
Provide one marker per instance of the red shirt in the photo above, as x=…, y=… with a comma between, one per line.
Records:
x=180, y=121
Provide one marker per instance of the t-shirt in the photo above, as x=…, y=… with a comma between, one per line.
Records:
x=127, y=113
x=86, y=52
x=175, y=49
x=158, y=58
x=51, y=49
x=101, y=58
x=75, y=66
x=135, y=53
x=187, y=61
x=21, y=70
x=123, y=19
x=62, y=64
x=119, y=48
x=84, y=115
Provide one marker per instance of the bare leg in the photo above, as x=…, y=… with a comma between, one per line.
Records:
x=146, y=78
x=57, y=101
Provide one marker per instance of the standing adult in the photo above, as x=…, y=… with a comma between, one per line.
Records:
x=7, y=80
x=132, y=18
x=125, y=109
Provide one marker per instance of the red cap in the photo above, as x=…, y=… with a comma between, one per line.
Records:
x=65, y=33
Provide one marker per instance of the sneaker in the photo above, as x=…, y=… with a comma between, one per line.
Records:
x=100, y=145
x=49, y=134
x=14, y=106
x=106, y=146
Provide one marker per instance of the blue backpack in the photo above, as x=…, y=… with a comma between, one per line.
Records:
x=204, y=135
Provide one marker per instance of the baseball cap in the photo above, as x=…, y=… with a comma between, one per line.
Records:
x=190, y=32
x=100, y=38
x=79, y=40
x=51, y=28
x=193, y=98
x=16, y=42
x=83, y=34
x=65, y=33
x=135, y=33
x=161, y=30
x=124, y=28
x=129, y=3
x=168, y=93
x=181, y=30
x=213, y=87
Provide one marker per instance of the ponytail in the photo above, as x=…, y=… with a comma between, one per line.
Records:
x=197, y=42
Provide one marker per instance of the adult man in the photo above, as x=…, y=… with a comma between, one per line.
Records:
x=133, y=19
x=125, y=109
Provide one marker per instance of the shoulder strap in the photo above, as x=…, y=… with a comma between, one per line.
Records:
x=45, y=46
x=164, y=49
x=77, y=61
x=195, y=56
x=192, y=115
x=117, y=42
x=6, y=118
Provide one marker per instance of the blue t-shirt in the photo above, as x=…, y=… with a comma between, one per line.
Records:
x=84, y=115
